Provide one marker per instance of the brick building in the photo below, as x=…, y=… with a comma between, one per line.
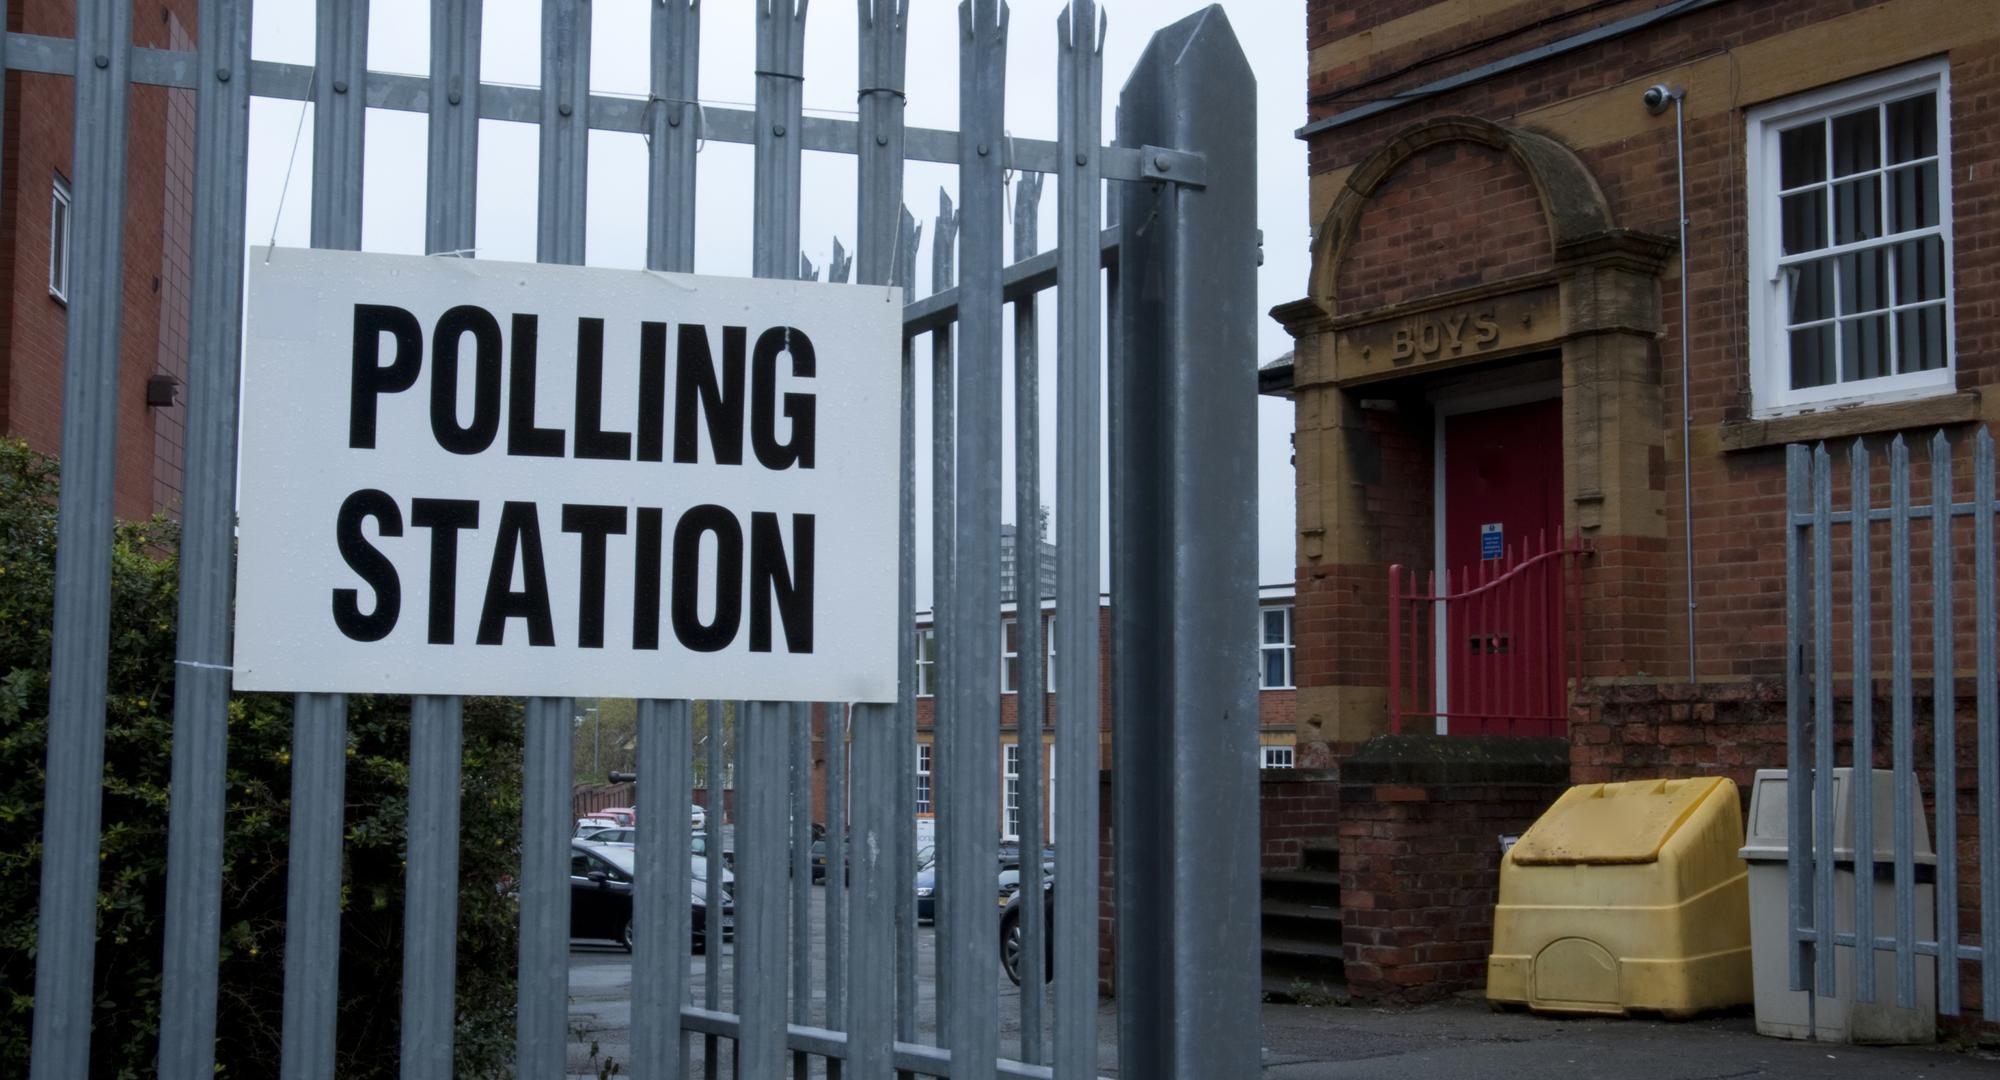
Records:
x=1277, y=660
x=36, y=196
x=1491, y=341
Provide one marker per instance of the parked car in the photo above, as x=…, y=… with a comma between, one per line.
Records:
x=600, y=898
x=697, y=816
x=926, y=884
x=587, y=825
x=618, y=834
x=1010, y=933
x=622, y=815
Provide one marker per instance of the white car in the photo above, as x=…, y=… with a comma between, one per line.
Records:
x=586, y=826
x=699, y=817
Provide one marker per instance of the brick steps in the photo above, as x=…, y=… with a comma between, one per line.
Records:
x=1302, y=954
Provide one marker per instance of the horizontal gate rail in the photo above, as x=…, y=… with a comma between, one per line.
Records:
x=1529, y=594
x=608, y=112
x=1814, y=581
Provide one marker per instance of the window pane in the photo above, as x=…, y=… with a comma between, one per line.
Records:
x=1812, y=357
x=1864, y=281
x=1857, y=139
x=1857, y=210
x=1802, y=155
x=1913, y=200
x=1920, y=270
x=1805, y=221
x=1274, y=627
x=1274, y=667
x=1913, y=128
x=1920, y=338
x=1864, y=348
x=1812, y=291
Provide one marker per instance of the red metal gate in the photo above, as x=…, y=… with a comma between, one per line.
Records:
x=1508, y=625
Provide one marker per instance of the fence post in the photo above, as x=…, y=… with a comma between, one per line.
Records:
x=201, y=683
x=883, y=833
x=1183, y=526
x=74, y=792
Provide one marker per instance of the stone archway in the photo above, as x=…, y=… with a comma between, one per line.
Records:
x=1545, y=272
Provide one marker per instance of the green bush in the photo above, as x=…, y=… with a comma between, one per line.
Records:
x=132, y=877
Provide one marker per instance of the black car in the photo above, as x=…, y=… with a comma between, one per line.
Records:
x=1010, y=934
x=600, y=898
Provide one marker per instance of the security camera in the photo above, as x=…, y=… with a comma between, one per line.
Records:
x=1658, y=97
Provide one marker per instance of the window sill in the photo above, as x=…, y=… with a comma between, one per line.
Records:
x=1956, y=408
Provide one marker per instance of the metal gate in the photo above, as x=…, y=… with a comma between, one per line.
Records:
x=1182, y=524
x=1963, y=796
x=1515, y=617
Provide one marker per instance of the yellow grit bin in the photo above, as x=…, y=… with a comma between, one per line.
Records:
x=1626, y=898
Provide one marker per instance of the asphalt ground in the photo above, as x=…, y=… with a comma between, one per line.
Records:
x=1459, y=1038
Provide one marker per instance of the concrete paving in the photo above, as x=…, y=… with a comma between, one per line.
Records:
x=1460, y=1038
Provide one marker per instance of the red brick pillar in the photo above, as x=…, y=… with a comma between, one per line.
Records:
x=1421, y=818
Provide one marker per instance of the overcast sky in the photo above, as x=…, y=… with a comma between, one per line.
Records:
x=1272, y=35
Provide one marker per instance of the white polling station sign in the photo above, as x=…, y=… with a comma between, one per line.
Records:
x=473, y=477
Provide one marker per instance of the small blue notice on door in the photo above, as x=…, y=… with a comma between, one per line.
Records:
x=1492, y=541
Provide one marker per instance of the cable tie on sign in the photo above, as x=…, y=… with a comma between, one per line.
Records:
x=203, y=666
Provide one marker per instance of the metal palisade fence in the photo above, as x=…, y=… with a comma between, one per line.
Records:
x=1182, y=517
x=1943, y=751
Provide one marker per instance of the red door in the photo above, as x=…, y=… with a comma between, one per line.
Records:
x=1503, y=484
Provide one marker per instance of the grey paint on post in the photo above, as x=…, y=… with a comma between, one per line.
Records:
x=73, y=794
x=1863, y=667
x=673, y=122
x=798, y=719
x=450, y=218
x=1079, y=493
x=968, y=842
x=541, y=1031
x=201, y=679
x=541, y=1016
x=1028, y=621
x=944, y=570
x=565, y=132
x=430, y=937
x=662, y=922
x=1944, y=721
x=319, y=721
x=430, y=912
x=904, y=838
x=719, y=715
x=1184, y=512
x=761, y=740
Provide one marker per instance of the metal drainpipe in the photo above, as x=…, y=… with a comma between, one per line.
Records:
x=1658, y=97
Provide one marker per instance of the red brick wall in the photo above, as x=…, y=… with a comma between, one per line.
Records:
x=158, y=214
x=1420, y=869
x=1295, y=807
x=1448, y=218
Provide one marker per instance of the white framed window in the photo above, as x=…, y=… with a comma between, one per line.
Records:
x=927, y=667
x=1049, y=647
x=1278, y=652
x=1010, y=656
x=59, y=230
x=1277, y=757
x=924, y=805
x=1850, y=243
x=1010, y=790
